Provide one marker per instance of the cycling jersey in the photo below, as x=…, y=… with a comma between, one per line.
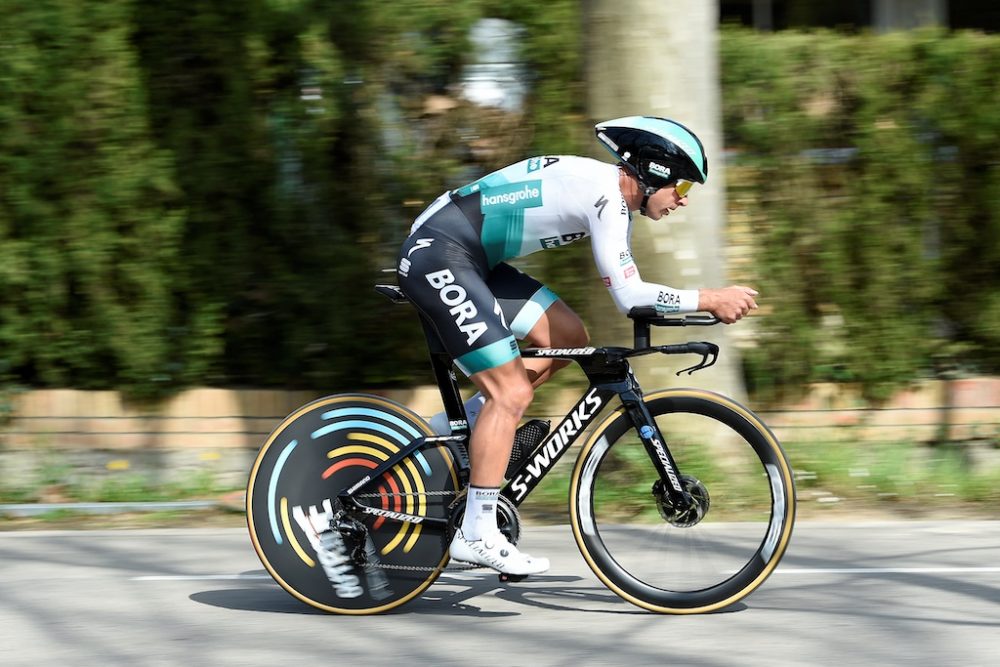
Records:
x=458, y=245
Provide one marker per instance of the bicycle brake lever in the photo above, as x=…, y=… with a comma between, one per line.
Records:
x=706, y=350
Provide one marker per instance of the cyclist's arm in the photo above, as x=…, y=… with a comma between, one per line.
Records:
x=613, y=257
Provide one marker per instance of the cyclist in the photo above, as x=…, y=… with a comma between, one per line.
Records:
x=452, y=268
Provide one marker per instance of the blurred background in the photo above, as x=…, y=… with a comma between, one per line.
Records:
x=196, y=198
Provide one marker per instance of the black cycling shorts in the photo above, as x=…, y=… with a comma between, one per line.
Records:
x=477, y=312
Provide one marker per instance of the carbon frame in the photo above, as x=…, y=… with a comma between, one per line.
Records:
x=610, y=375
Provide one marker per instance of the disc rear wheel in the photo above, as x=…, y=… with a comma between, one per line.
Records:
x=375, y=563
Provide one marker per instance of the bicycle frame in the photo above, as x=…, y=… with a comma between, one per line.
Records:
x=610, y=374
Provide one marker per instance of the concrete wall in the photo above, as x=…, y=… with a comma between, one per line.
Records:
x=65, y=435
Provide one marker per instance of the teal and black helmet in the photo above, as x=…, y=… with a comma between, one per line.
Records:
x=658, y=151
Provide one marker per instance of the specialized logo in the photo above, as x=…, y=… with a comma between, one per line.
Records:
x=498, y=311
x=648, y=433
x=404, y=267
x=659, y=170
x=526, y=194
x=564, y=351
x=399, y=516
x=418, y=244
x=600, y=204
x=550, y=451
x=556, y=241
x=462, y=309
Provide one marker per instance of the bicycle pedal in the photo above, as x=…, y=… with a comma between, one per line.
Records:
x=511, y=578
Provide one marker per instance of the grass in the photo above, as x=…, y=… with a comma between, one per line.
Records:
x=831, y=477
x=113, y=487
x=70, y=520
x=890, y=475
x=860, y=478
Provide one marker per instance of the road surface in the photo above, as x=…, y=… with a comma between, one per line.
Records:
x=886, y=593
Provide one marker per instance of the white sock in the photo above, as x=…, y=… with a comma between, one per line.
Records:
x=480, y=518
x=439, y=422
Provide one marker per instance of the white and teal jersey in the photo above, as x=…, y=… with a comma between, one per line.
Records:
x=545, y=202
x=550, y=201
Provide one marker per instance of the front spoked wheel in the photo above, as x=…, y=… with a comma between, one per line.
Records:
x=694, y=559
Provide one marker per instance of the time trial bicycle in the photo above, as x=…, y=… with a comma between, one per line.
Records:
x=681, y=500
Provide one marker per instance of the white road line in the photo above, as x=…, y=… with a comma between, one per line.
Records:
x=780, y=570
x=888, y=570
x=202, y=577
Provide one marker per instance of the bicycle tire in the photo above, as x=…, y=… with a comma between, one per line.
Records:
x=327, y=446
x=669, y=569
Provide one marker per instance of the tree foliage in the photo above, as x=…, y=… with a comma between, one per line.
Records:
x=90, y=216
x=204, y=194
x=866, y=168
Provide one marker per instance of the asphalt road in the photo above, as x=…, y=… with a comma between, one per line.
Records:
x=891, y=593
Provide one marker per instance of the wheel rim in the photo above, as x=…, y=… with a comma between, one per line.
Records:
x=321, y=449
x=720, y=558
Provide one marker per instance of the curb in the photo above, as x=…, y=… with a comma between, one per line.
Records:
x=35, y=509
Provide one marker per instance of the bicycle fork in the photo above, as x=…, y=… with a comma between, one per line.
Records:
x=655, y=445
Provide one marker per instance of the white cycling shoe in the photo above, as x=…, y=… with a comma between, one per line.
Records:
x=496, y=552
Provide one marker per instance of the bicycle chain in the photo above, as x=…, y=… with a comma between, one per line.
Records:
x=421, y=568
x=425, y=493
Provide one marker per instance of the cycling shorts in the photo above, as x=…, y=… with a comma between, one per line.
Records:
x=477, y=312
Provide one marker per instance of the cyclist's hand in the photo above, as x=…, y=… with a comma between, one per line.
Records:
x=729, y=304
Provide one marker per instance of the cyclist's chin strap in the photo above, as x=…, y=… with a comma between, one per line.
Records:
x=647, y=192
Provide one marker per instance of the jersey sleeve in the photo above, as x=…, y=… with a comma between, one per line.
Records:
x=611, y=243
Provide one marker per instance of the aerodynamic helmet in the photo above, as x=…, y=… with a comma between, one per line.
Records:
x=658, y=151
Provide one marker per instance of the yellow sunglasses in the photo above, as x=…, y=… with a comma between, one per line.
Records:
x=681, y=187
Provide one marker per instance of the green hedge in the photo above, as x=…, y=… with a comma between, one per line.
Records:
x=202, y=194
x=865, y=172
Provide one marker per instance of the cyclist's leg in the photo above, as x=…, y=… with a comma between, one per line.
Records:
x=559, y=326
x=508, y=394
x=445, y=282
x=537, y=316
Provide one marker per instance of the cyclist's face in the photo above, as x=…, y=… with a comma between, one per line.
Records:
x=663, y=201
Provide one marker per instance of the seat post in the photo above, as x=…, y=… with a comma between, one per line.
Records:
x=441, y=362
x=444, y=375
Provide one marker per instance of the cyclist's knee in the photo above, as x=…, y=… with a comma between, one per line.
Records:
x=577, y=337
x=514, y=396
x=570, y=334
x=507, y=388
x=560, y=326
